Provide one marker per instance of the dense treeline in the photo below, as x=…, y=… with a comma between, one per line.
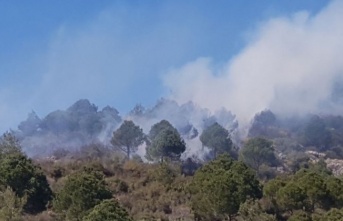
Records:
x=83, y=123
x=311, y=132
x=280, y=172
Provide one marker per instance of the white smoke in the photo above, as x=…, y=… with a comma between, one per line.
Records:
x=188, y=118
x=290, y=65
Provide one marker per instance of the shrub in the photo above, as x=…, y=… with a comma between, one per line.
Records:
x=108, y=210
x=81, y=192
x=26, y=179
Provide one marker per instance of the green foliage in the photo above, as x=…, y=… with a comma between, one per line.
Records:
x=270, y=190
x=166, y=142
x=220, y=187
x=26, y=179
x=258, y=151
x=272, y=187
x=264, y=125
x=9, y=144
x=82, y=116
x=252, y=210
x=108, y=210
x=313, y=184
x=158, y=127
x=223, y=189
x=335, y=189
x=300, y=216
x=11, y=206
x=155, y=194
x=81, y=192
x=217, y=139
x=127, y=138
x=164, y=174
x=333, y=215
x=320, y=167
x=307, y=190
x=58, y=122
x=291, y=197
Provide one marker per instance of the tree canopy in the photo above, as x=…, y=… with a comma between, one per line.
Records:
x=81, y=192
x=306, y=191
x=20, y=174
x=264, y=124
x=11, y=206
x=9, y=144
x=257, y=151
x=158, y=127
x=108, y=210
x=219, y=188
x=165, y=142
x=217, y=139
x=127, y=138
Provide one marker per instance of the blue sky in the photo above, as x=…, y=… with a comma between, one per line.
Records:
x=116, y=52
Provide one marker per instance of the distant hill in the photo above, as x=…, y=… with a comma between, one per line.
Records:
x=82, y=123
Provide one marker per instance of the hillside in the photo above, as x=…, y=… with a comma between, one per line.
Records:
x=181, y=156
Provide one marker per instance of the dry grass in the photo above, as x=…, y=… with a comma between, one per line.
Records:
x=147, y=191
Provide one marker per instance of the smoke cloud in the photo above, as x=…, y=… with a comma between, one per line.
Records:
x=113, y=58
x=116, y=55
x=291, y=65
x=189, y=119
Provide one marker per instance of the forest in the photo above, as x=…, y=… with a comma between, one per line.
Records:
x=171, y=162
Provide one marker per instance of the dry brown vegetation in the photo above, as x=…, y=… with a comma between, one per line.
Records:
x=147, y=191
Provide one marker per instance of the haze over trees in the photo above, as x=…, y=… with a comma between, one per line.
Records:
x=128, y=137
x=316, y=134
x=79, y=125
x=187, y=159
x=287, y=168
x=258, y=151
x=263, y=125
x=217, y=139
x=165, y=142
x=83, y=124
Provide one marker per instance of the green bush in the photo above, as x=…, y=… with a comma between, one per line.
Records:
x=333, y=215
x=219, y=188
x=26, y=179
x=11, y=206
x=108, y=210
x=300, y=216
x=81, y=192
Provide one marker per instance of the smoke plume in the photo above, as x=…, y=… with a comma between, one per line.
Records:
x=291, y=65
